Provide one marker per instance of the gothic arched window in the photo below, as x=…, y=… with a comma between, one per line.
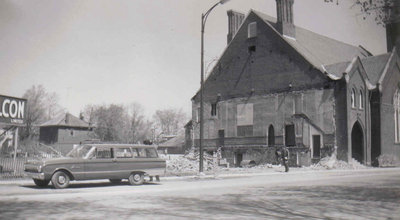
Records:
x=396, y=106
x=353, y=98
x=361, y=100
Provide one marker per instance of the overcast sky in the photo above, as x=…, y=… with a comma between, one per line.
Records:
x=145, y=51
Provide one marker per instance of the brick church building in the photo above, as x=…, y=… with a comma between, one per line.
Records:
x=278, y=84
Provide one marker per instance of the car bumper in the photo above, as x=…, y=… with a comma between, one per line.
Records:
x=156, y=172
x=39, y=176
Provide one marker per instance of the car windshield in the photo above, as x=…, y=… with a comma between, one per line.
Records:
x=82, y=151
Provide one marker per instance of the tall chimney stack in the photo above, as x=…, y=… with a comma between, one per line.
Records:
x=235, y=19
x=284, y=13
x=393, y=26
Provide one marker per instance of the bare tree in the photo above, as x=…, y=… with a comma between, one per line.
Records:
x=383, y=11
x=139, y=127
x=118, y=123
x=41, y=106
x=169, y=121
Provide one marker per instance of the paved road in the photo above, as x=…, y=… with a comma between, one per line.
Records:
x=359, y=194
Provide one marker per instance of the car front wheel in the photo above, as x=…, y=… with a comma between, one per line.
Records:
x=136, y=179
x=60, y=180
x=41, y=183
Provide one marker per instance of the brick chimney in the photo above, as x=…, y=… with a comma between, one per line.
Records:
x=235, y=19
x=393, y=26
x=392, y=36
x=284, y=14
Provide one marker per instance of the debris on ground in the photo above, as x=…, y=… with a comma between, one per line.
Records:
x=331, y=162
x=188, y=163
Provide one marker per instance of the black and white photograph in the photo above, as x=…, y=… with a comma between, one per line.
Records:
x=200, y=109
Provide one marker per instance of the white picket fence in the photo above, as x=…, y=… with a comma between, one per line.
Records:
x=10, y=168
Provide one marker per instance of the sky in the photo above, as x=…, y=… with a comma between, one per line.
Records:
x=144, y=51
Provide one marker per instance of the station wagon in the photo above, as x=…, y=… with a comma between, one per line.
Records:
x=99, y=161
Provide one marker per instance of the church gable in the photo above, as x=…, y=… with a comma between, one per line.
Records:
x=259, y=61
x=390, y=79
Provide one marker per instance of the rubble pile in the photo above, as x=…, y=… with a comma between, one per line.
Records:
x=188, y=163
x=331, y=162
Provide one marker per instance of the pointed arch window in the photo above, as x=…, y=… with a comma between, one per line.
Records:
x=353, y=98
x=396, y=106
x=271, y=136
x=361, y=98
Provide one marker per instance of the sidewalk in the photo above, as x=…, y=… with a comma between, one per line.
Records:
x=234, y=174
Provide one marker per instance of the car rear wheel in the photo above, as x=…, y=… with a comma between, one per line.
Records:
x=136, y=179
x=115, y=181
x=60, y=180
x=41, y=183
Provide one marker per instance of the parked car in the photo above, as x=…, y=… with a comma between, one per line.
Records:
x=99, y=161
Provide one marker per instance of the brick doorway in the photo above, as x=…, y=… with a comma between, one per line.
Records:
x=357, y=143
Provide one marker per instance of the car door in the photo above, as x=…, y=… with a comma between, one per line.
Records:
x=124, y=163
x=100, y=164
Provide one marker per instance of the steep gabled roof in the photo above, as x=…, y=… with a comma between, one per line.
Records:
x=318, y=49
x=65, y=120
x=374, y=66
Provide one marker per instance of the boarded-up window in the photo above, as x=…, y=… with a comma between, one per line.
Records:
x=244, y=114
x=252, y=30
x=245, y=131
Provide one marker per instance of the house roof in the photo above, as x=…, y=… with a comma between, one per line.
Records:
x=337, y=69
x=177, y=141
x=373, y=66
x=66, y=120
x=318, y=49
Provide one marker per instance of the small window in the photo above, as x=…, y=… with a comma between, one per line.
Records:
x=252, y=49
x=123, y=153
x=151, y=153
x=396, y=106
x=361, y=100
x=353, y=98
x=142, y=152
x=198, y=115
x=103, y=153
x=214, y=109
x=252, y=30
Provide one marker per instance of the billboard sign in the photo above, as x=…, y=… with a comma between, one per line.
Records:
x=12, y=110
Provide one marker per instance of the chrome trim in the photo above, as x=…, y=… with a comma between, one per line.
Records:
x=39, y=176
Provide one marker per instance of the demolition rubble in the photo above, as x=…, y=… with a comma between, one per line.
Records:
x=188, y=164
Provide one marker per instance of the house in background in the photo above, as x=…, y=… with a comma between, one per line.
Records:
x=278, y=84
x=64, y=131
x=175, y=145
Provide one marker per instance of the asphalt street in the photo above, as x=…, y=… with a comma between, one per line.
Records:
x=300, y=194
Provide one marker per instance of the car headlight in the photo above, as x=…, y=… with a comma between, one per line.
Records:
x=39, y=168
